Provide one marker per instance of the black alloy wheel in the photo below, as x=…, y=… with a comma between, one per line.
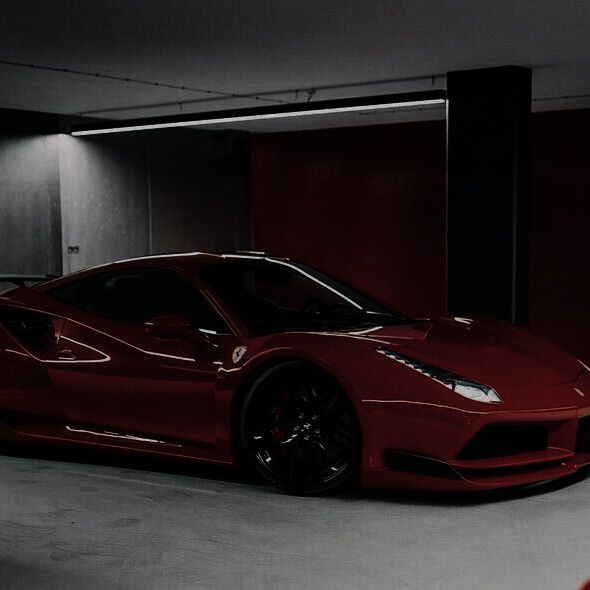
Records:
x=300, y=430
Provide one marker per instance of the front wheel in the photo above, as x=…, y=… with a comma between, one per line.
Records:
x=300, y=430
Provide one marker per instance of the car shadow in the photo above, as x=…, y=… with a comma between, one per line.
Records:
x=131, y=462
x=473, y=498
x=230, y=474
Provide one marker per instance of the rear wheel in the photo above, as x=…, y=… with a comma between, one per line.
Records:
x=300, y=430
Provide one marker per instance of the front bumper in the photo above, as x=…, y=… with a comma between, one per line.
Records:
x=428, y=446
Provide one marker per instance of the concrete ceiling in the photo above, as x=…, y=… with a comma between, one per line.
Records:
x=154, y=57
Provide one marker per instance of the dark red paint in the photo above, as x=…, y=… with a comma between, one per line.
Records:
x=102, y=382
x=366, y=204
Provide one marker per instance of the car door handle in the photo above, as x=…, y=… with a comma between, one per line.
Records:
x=66, y=355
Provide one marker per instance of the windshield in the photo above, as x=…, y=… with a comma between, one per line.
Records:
x=278, y=296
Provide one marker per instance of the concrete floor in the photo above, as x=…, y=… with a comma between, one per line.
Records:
x=105, y=522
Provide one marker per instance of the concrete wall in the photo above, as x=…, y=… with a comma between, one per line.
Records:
x=30, y=235
x=104, y=200
x=559, y=281
x=369, y=205
x=120, y=196
x=366, y=204
x=199, y=191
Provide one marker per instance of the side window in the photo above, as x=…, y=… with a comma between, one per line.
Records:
x=75, y=292
x=118, y=296
x=137, y=295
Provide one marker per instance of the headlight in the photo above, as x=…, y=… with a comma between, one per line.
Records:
x=465, y=387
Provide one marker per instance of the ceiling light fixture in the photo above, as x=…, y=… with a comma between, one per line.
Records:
x=283, y=111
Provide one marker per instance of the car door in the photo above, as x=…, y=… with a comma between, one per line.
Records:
x=143, y=385
x=29, y=342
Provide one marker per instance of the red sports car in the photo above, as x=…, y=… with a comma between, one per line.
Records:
x=231, y=357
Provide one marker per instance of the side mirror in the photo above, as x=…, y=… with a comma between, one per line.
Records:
x=169, y=327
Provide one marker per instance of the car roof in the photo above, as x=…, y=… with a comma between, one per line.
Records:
x=194, y=258
x=187, y=260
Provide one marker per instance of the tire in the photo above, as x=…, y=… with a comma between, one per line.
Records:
x=300, y=431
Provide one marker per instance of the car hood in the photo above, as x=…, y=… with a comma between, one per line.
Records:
x=495, y=353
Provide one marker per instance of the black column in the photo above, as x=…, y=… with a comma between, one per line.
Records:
x=488, y=180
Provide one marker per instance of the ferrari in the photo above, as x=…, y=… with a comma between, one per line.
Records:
x=249, y=359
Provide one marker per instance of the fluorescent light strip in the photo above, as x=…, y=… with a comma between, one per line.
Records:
x=242, y=118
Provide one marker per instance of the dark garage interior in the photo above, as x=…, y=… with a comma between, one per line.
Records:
x=460, y=192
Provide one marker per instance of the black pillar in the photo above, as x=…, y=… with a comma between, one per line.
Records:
x=488, y=184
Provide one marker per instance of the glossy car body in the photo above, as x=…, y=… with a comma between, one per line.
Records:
x=96, y=381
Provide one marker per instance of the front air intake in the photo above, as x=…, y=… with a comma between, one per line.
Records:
x=500, y=440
